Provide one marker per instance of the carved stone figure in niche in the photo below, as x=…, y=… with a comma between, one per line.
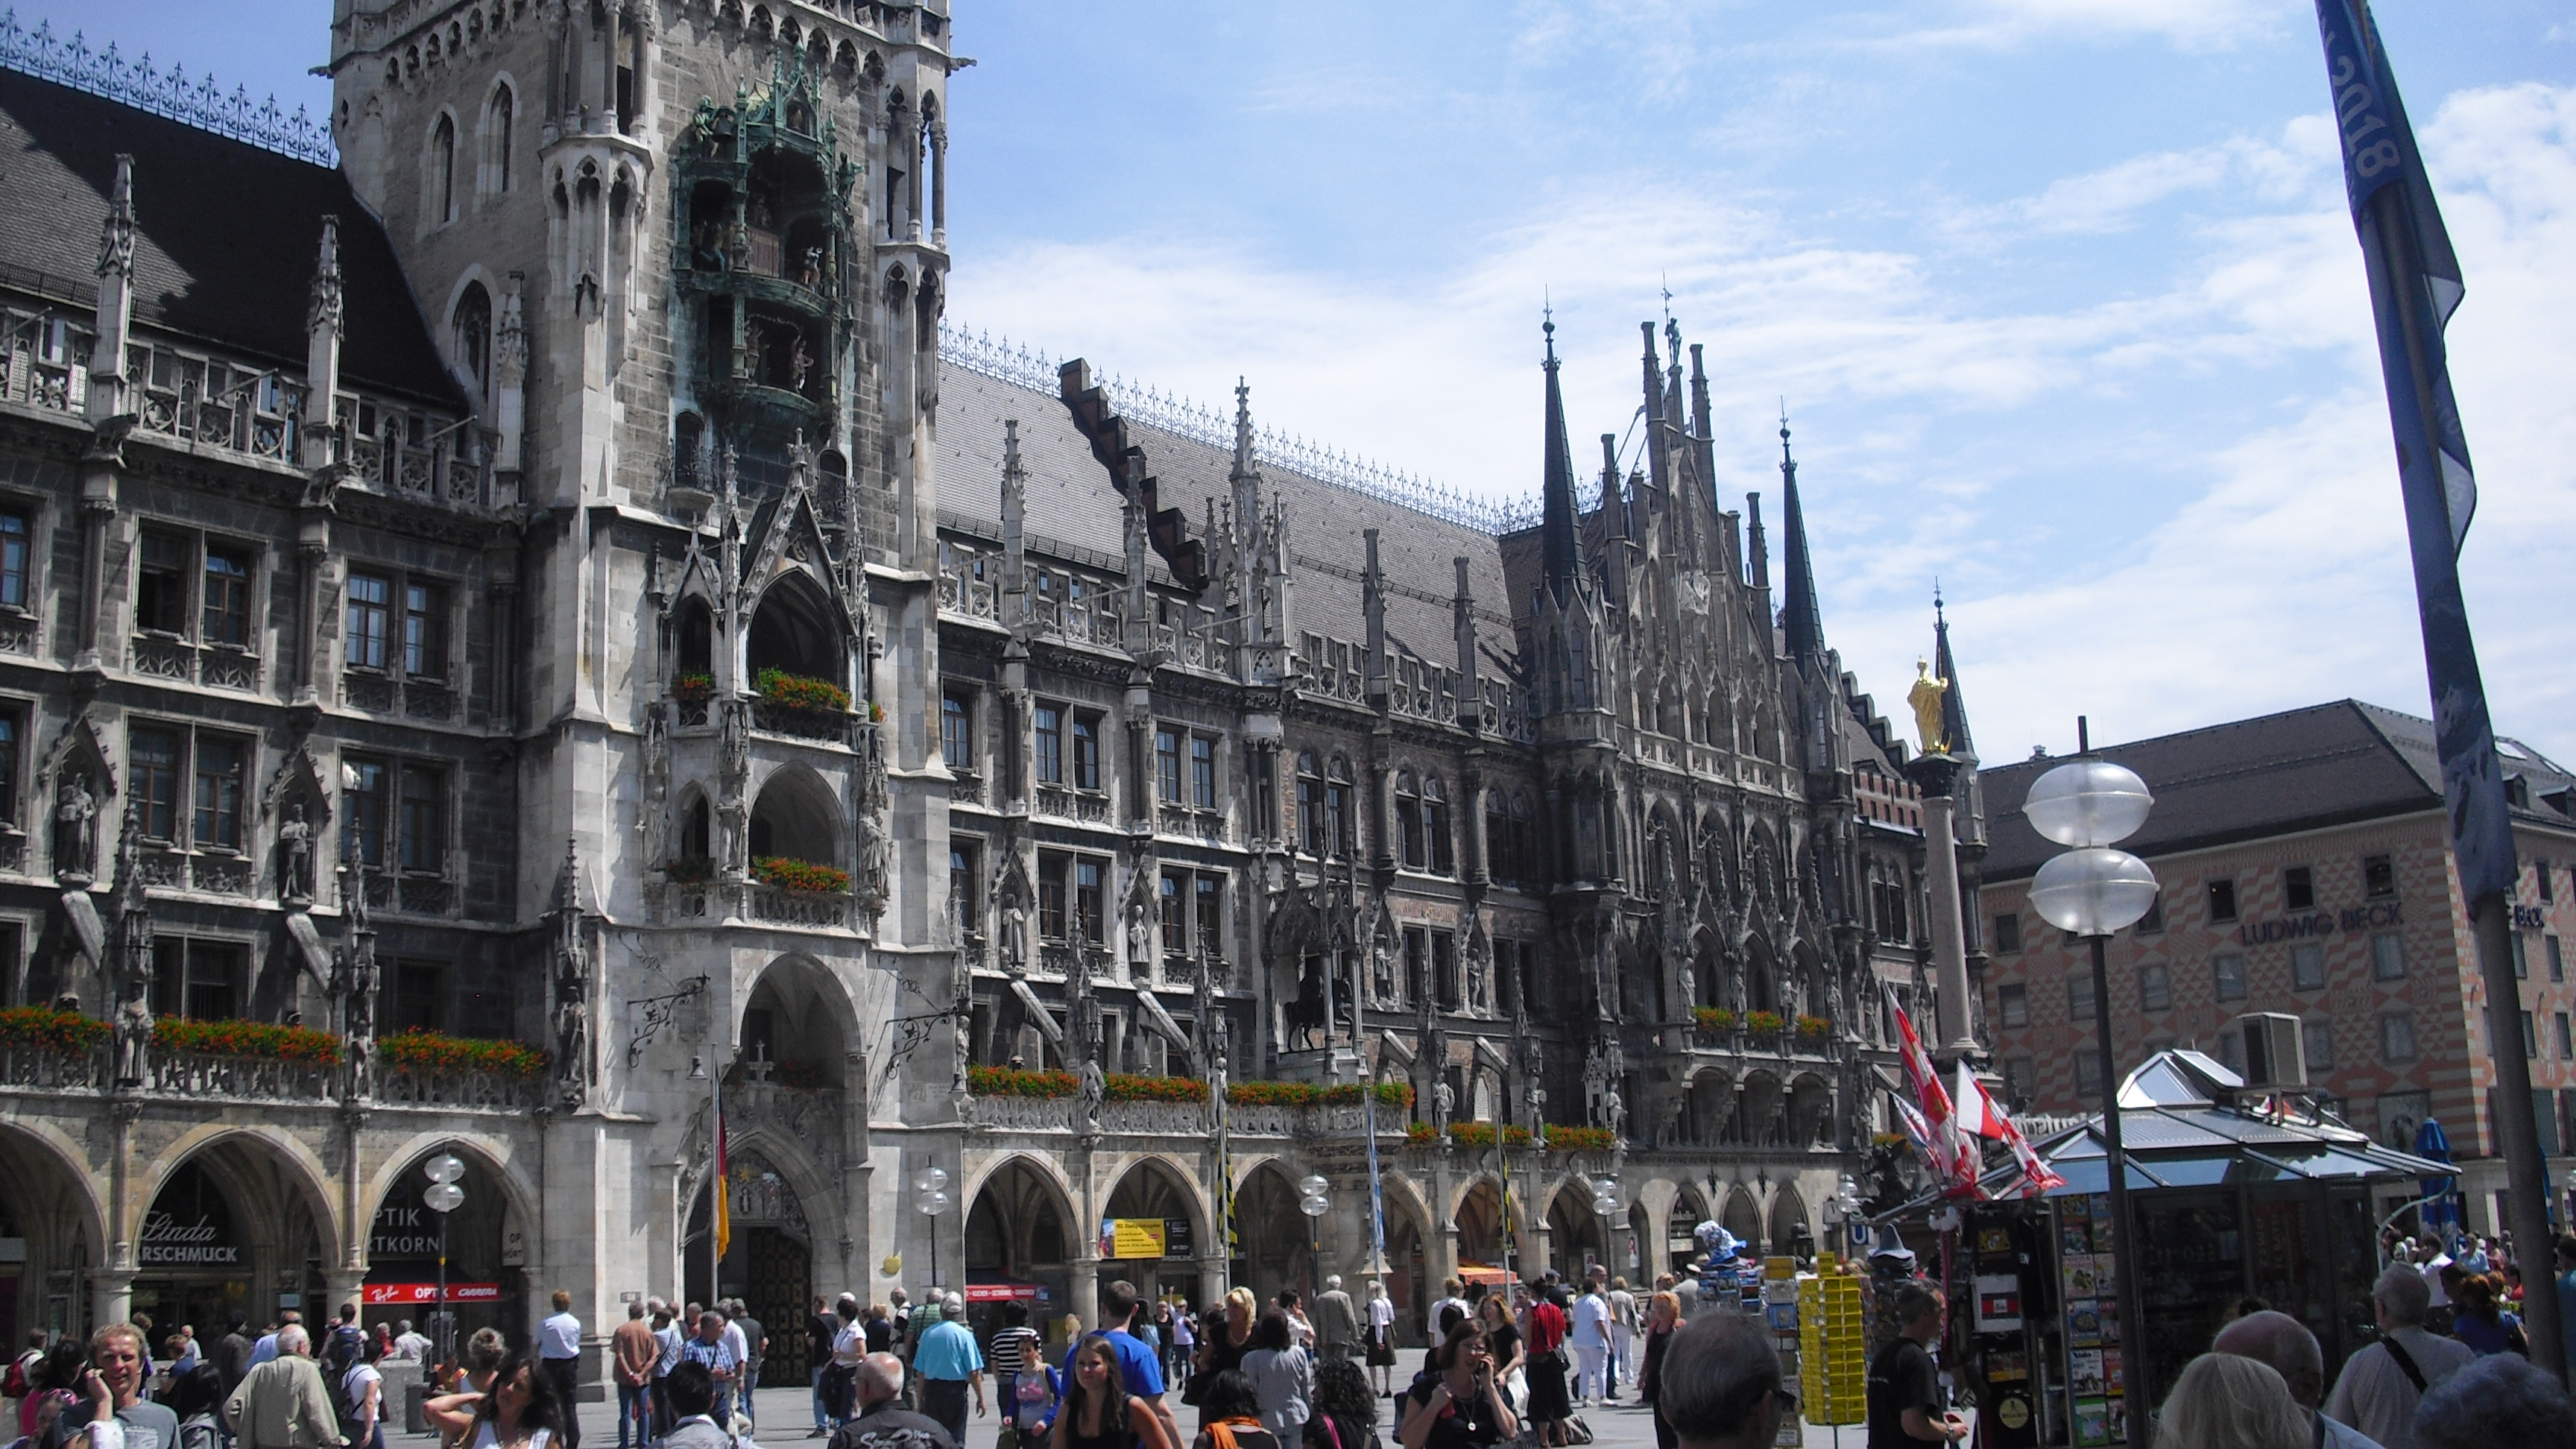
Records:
x=799, y=362
x=810, y=274
x=873, y=850
x=1614, y=1112
x=134, y=1032
x=1382, y=969
x=707, y=248
x=295, y=855
x=1093, y=1088
x=75, y=827
x=1444, y=1101
x=1595, y=1079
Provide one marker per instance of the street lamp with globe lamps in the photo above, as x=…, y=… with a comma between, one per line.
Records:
x=930, y=1199
x=2091, y=891
x=1312, y=1202
x=1605, y=1207
x=442, y=1197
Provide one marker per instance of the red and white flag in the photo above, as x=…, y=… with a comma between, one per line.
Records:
x=1980, y=1116
x=1950, y=1159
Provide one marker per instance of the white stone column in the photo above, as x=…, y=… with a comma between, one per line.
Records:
x=1949, y=939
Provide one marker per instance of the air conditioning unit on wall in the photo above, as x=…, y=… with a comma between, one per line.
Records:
x=2276, y=1054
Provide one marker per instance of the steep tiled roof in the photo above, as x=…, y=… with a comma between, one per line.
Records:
x=1071, y=502
x=226, y=234
x=2327, y=764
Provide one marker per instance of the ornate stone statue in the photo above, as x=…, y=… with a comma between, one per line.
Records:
x=1596, y=1080
x=871, y=859
x=1444, y=1102
x=295, y=855
x=1382, y=969
x=134, y=1033
x=1093, y=1088
x=75, y=827
x=1926, y=697
x=1614, y=1112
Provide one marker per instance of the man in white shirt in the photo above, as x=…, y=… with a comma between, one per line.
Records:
x=559, y=1355
x=411, y=1343
x=2286, y=1344
x=1623, y=1328
x=2382, y=1384
x=1591, y=1340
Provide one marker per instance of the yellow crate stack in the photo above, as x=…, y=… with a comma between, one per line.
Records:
x=1833, y=1362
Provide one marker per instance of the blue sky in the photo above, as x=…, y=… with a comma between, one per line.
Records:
x=2061, y=293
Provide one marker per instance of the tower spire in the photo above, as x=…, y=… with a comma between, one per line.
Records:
x=1954, y=708
x=1562, y=560
x=1802, y=624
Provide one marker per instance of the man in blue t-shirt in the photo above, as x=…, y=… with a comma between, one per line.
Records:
x=1140, y=1369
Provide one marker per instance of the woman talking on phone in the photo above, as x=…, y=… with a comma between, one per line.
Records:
x=1462, y=1408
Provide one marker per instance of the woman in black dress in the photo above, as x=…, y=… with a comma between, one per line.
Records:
x=1544, y=1341
x=1462, y=1407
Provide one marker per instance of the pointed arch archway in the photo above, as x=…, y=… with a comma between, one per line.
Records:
x=405, y=1239
x=1789, y=1229
x=1022, y=1231
x=228, y=1211
x=1743, y=1217
x=1156, y=1187
x=49, y=1202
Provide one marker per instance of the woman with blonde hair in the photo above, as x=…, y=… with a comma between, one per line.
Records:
x=1223, y=1351
x=2222, y=1401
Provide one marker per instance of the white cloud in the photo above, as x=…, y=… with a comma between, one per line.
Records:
x=2222, y=429
x=2188, y=24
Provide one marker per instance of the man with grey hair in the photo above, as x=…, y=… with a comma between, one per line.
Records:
x=2500, y=1399
x=1337, y=1320
x=283, y=1403
x=2285, y=1343
x=2382, y=1384
x=1719, y=1386
x=883, y=1422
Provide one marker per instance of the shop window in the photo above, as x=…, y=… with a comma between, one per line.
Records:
x=2298, y=889
x=2307, y=967
x=2227, y=976
x=2388, y=957
x=2396, y=1037
x=2379, y=877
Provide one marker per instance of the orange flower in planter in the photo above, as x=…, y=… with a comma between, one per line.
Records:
x=417, y=1050
x=46, y=1029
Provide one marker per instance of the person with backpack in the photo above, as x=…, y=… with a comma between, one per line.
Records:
x=360, y=1397
x=19, y=1381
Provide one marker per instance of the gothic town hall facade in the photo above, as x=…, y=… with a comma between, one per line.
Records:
x=518, y=625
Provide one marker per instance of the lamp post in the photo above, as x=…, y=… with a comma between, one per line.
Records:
x=1605, y=1206
x=1312, y=1202
x=2091, y=891
x=442, y=1197
x=930, y=1199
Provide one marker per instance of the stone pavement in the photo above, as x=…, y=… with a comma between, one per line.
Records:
x=784, y=1415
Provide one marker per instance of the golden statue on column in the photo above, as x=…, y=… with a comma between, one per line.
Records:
x=1926, y=697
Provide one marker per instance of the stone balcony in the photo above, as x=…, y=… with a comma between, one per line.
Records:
x=1188, y=1119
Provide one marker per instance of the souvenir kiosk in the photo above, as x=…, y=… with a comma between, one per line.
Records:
x=2231, y=1195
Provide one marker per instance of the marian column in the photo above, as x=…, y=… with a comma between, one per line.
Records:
x=1936, y=771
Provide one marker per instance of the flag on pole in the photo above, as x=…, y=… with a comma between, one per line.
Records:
x=1981, y=1116
x=2414, y=287
x=723, y=1209
x=1951, y=1162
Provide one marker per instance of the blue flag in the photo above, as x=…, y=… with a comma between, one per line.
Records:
x=2414, y=287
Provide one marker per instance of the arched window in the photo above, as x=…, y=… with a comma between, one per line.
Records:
x=1339, y=819
x=1500, y=863
x=1408, y=821
x=442, y=171
x=471, y=338
x=1435, y=827
x=696, y=838
x=1310, y=806
x=500, y=120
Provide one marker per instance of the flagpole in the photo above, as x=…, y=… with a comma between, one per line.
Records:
x=2415, y=282
x=2441, y=608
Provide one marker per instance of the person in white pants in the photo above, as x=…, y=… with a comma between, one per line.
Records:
x=1591, y=1340
x=1623, y=1328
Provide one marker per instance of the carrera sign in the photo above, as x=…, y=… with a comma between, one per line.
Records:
x=401, y=1294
